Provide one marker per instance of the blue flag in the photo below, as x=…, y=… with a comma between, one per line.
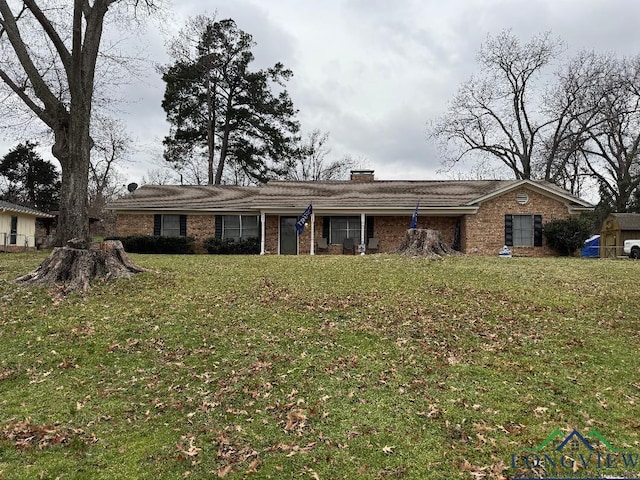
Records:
x=414, y=218
x=302, y=219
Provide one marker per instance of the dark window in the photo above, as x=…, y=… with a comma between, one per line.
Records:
x=13, y=239
x=240, y=227
x=523, y=230
x=344, y=227
x=170, y=225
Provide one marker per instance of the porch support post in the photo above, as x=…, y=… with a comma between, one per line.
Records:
x=263, y=229
x=362, y=230
x=313, y=229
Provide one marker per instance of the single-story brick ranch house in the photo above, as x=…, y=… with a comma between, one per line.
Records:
x=474, y=216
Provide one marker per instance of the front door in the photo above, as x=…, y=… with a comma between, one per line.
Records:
x=288, y=236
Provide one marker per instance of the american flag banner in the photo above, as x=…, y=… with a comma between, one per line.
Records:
x=302, y=219
x=414, y=218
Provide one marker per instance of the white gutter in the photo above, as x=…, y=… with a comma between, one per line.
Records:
x=404, y=211
x=289, y=209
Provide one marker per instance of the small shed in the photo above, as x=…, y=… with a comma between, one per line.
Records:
x=617, y=228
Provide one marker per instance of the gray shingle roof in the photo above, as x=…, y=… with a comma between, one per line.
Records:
x=392, y=193
x=189, y=197
x=289, y=194
x=12, y=207
x=627, y=221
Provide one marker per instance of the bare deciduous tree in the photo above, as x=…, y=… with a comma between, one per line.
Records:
x=502, y=112
x=112, y=147
x=611, y=151
x=49, y=64
x=311, y=162
x=159, y=176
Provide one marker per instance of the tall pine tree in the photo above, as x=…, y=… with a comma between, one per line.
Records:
x=27, y=179
x=219, y=109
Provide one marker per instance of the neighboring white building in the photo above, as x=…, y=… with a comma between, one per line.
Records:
x=18, y=226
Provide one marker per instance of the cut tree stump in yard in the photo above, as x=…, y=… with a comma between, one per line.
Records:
x=421, y=242
x=75, y=266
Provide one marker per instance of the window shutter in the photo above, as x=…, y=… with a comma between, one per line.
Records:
x=457, y=237
x=218, y=226
x=537, y=230
x=508, y=230
x=157, y=225
x=183, y=225
x=369, y=222
x=326, y=227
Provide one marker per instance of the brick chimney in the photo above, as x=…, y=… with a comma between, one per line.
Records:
x=362, y=176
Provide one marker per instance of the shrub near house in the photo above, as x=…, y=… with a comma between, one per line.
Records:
x=156, y=245
x=567, y=236
x=229, y=246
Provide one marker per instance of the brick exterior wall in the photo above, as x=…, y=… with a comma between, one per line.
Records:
x=272, y=227
x=128, y=224
x=16, y=249
x=199, y=227
x=483, y=233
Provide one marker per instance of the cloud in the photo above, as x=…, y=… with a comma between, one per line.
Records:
x=371, y=72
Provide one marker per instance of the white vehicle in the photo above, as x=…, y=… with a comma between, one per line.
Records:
x=632, y=248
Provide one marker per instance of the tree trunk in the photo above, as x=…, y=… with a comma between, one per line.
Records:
x=425, y=243
x=72, y=148
x=225, y=143
x=75, y=266
x=73, y=218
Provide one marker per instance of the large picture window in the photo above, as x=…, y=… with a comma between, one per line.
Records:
x=240, y=227
x=523, y=230
x=345, y=227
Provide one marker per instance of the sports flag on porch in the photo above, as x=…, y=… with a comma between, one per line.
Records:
x=302, y=219
x=414, y=218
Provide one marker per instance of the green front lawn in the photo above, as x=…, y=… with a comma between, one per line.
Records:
x=318, y=367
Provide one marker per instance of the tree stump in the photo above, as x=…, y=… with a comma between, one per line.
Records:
x=74, y=267
x=425, y=243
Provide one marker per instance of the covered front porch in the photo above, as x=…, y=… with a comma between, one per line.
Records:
x=326, y=230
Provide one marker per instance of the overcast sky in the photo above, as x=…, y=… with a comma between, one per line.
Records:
x=373, y=72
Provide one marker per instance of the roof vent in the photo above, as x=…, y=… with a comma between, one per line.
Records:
x=522, y=198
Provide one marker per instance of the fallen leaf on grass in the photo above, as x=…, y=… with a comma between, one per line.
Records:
x=190, y=450
x=224, y=471
x=296, y=420
x=26, y=435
